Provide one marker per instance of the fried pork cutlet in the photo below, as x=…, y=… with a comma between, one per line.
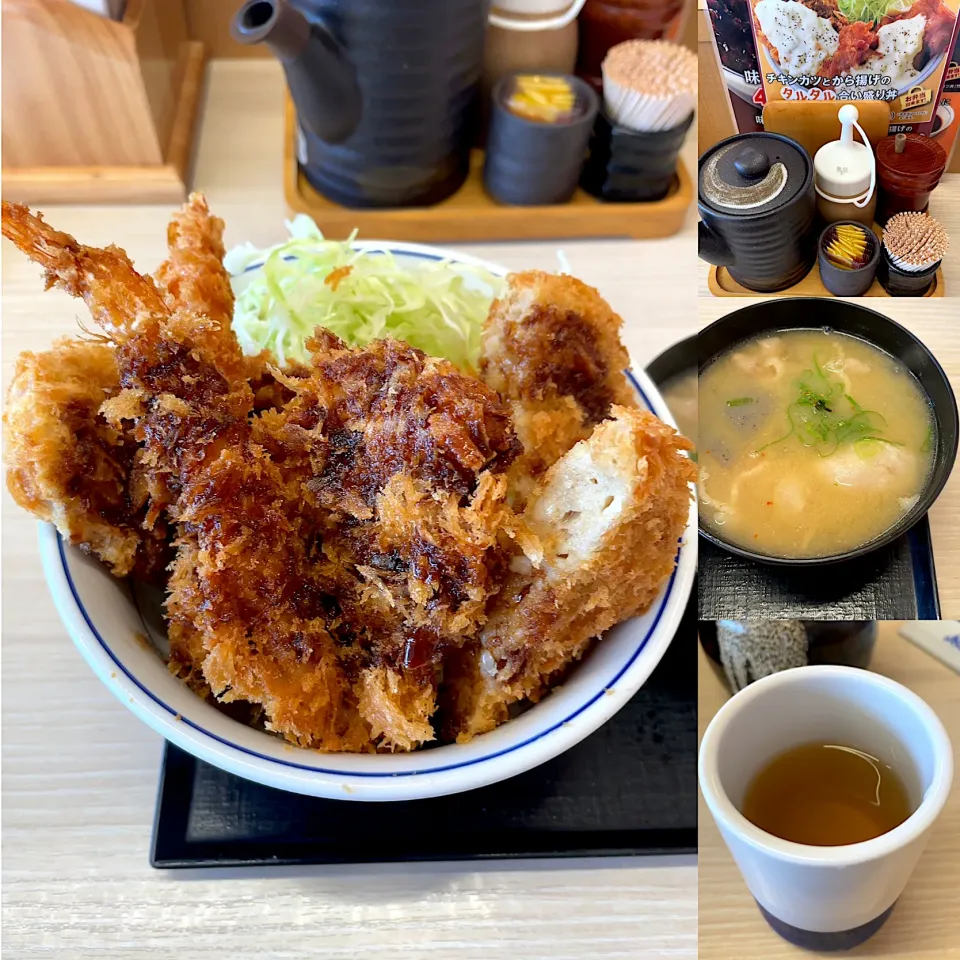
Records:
x=345, y=540
x=187, y=654
x=551, y=347
x=398, y=455
x=67, y=465
x=327, y=553
x=609, y=515
x=244, y=575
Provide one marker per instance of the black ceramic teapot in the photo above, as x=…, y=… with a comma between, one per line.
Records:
x=386, y=92
x=758, y=210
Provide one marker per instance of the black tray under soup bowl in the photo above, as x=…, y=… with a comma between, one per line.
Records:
x=796, y=313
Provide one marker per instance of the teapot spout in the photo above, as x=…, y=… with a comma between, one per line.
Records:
x=322, y=80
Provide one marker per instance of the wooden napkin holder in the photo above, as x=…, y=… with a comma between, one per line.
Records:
x=98, y=110
x=814, y=123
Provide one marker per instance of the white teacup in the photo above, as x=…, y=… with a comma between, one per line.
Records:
x=825, y=898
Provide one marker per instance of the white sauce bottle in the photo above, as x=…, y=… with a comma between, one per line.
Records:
x=845, y=174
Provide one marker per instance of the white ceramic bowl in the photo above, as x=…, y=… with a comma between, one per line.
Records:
x=821, y=897
x=947, y=115
x=117, y=629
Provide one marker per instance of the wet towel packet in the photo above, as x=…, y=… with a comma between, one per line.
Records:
x=940, y=638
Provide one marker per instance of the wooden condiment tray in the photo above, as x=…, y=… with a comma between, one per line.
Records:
x=723, y=285
x=471, y=215
x=812, y=125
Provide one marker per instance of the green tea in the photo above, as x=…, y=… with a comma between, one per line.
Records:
x=826, y=795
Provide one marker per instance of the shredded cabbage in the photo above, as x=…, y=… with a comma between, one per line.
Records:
x=360, y=295
x=872, y=10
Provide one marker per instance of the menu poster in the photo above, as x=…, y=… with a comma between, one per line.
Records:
x=893, y=50
x=946, y=123
x=738, y=61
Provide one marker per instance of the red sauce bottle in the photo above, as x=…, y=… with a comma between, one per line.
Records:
x=907, y=176
x=605, y=23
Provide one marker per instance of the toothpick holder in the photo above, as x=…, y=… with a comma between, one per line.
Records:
x=628, y=165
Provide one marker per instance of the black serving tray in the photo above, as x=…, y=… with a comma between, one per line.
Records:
x=629, y=788
x=897, y=582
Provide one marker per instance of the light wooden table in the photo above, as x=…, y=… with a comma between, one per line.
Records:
x=925, y=924
x=80, y=773
x=935, y=323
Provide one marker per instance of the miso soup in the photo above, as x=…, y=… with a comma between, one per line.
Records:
x=812, y=443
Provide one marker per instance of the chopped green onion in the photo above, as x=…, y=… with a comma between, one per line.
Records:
x=740, y=401
x=825, y=416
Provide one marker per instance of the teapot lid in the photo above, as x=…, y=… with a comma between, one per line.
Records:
x=754, y=173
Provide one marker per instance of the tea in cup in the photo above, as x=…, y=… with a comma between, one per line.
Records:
x=826, y=872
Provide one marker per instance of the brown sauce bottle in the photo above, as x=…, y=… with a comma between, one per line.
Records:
x=909, y=167
x=605, y=23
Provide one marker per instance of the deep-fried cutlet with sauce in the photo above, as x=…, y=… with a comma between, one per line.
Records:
x=348, y=550
x=551, y=347
x=244, y=576
x=399, y=458
x=609, y=515
x=66, y=464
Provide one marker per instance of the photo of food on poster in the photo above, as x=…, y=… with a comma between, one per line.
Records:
x=945, y=123
x=892, y=50
x=739, y=68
